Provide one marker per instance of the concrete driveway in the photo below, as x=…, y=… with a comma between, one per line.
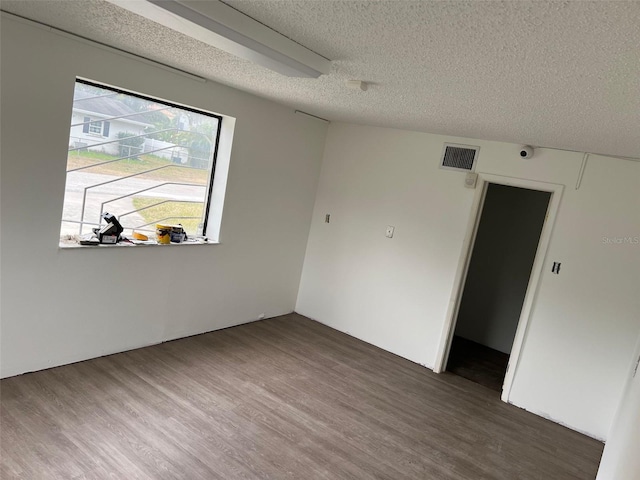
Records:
x=96, y=196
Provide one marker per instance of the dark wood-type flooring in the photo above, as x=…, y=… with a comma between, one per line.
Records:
x=281, y=398
x=478, y=363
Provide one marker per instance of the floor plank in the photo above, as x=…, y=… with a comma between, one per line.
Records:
x=478, y=363
x=281, y=398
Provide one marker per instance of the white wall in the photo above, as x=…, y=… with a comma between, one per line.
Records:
x=620, y=459
x=394, y=293
x=503, y=254
x=60, y=306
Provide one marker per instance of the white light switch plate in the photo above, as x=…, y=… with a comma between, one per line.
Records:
x=390, y=230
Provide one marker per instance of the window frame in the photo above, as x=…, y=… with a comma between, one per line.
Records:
x=214, y=159
x=93, y=124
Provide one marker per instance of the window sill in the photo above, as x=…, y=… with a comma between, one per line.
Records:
x=74, y=245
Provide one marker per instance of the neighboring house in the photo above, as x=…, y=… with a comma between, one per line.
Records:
x=97, y=121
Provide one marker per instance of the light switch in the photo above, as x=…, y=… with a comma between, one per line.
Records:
x=390, y=230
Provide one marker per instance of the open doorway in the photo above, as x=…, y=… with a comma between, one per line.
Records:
x=498, y=275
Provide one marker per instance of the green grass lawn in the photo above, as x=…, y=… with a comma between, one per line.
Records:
x=132, y=165
x=171, y=212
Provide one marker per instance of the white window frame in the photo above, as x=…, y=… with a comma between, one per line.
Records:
x=100, y=127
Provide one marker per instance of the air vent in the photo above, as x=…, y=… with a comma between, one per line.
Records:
x=459, y=157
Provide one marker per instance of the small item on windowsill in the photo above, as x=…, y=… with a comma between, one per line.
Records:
x=140, y=236
x=109, y=233
x=133, y=241
x=177, y=234
x=163, y=234
x=200, y=239
x=108, y=239
x=89, y=239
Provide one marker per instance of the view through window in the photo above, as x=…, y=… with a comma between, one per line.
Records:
x=143, y=160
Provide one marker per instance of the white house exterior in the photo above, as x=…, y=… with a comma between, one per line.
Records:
x=167, y=150
x=97, y=121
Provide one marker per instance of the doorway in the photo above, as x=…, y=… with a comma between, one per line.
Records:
x=499, y=270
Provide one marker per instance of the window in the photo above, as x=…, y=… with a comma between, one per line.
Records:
x=143, y=160
x=96, y=127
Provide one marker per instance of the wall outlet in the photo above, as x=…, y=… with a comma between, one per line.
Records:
x=327, y=218
x=390, y=230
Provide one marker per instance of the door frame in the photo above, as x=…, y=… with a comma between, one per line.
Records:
x=446, y=337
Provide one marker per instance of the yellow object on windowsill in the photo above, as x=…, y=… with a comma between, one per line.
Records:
x=163, y=234
x=140, y=236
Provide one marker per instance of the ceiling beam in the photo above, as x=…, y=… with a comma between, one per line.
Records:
x=227, y=29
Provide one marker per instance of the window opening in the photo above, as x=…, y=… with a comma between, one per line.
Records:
x=145, y=161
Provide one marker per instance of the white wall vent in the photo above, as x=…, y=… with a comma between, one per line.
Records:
x=459, y=157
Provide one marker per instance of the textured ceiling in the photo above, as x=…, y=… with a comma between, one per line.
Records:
x=554, y=74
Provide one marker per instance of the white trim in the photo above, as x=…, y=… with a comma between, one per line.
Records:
x=219, y=187
x=94, y=123
x=442, y=353
x=534, y=280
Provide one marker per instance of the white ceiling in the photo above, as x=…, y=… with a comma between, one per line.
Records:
x=555, y=74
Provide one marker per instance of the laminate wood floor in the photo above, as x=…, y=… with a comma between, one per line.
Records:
x=478, y=363
x=281, y=398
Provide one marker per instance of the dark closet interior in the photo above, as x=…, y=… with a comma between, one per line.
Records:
x=502, y=257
